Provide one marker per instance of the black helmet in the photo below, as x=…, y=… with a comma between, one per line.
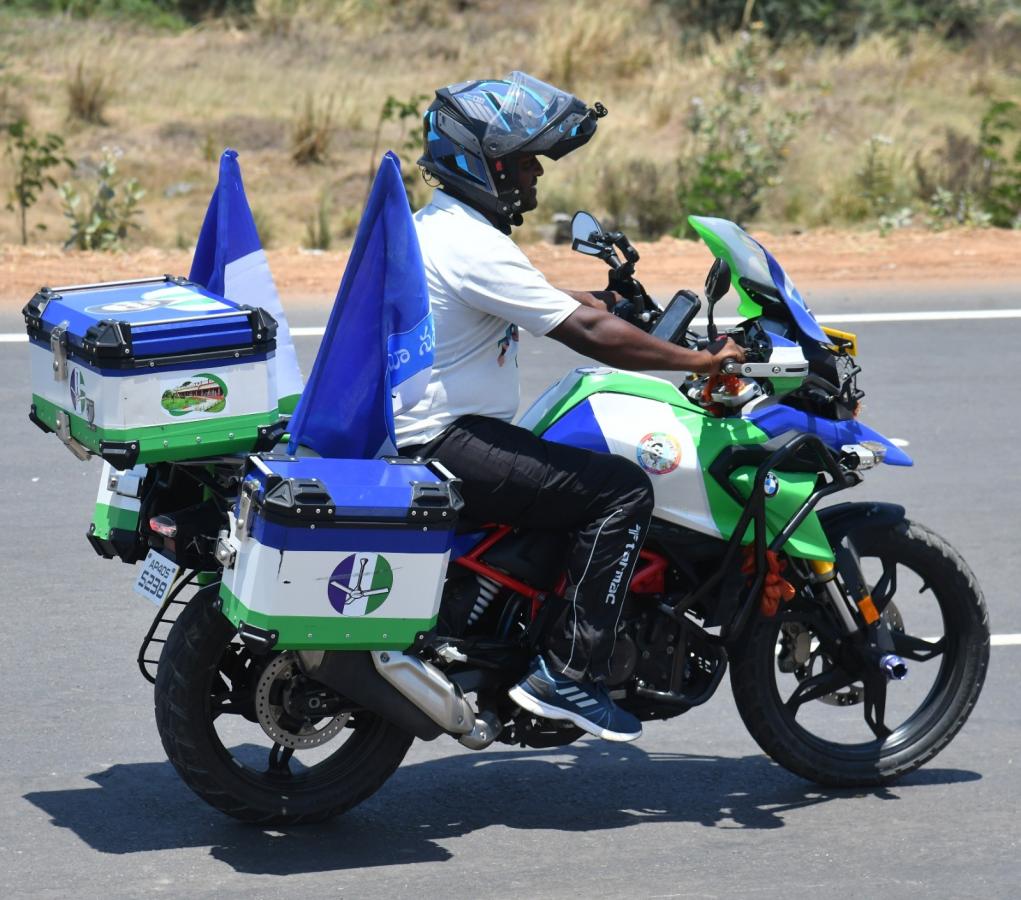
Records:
x=476, y=131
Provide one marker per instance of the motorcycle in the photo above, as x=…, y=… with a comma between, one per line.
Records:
x=856, y=639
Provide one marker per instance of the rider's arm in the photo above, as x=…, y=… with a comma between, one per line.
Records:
x=604, y=337
x=602, y=300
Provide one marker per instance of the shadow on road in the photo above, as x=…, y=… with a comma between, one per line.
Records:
x=588, y=787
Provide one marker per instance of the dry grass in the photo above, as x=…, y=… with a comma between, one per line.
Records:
x=89, y=90
x=180, y=98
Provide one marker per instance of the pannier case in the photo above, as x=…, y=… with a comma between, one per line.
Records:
x=151, y=370
x=327, y=554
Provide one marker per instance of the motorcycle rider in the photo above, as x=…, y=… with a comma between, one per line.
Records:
x=482, y=143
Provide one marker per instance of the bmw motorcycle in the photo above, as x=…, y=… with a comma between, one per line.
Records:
x=856, y=639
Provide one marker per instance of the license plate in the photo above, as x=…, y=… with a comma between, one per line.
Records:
x=157, y=575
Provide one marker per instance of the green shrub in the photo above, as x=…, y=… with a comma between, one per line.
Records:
x=736, y=148
x=31, y=157
x=406, y=142
x=1002, y=197
x=842, y=22
x=173, y=14
x=103, y=219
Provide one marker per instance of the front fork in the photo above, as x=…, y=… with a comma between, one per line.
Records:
x=850, y=598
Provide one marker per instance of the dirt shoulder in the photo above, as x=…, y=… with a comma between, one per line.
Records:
x=815, y=260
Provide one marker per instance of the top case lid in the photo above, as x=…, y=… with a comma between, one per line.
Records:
x=342, y=491
x=144, y=318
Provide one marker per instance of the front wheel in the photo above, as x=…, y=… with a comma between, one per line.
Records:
x=254, y=737
x=832, y=716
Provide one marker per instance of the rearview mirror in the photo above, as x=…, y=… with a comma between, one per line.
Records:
x=583, y=227
x=717, y=282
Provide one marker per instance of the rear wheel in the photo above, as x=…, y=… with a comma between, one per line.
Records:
x=254, y=737
x=830, y=714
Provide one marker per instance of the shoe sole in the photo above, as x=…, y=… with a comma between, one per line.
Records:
x=535, y=706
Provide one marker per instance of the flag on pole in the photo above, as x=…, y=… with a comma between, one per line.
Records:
x=377, y=353
x=229, y=261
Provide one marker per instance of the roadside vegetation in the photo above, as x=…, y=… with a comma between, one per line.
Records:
x=876, y=114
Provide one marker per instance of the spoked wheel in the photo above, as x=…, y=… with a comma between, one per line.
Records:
x=839, y=715
x=256, y=738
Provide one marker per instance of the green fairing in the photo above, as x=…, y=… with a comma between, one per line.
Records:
x=809, y=541
x=746, y=307
x=327, y=632
x=711, y=435
x=180, y=437
x=105, y=518
x=616, y=383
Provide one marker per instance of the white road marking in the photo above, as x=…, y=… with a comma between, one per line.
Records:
x=934, y=315
x=1005, y=640
x=937, y=315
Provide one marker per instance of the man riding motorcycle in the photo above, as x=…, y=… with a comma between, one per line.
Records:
x=482, y=143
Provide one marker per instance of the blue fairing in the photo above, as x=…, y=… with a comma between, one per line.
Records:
x=793, y=300
x=578, y=428
x=775, y=420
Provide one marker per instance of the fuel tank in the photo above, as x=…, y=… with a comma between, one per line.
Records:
x=649, y=421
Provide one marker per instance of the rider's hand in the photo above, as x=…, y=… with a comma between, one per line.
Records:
x=729, y=350
x=608, y=298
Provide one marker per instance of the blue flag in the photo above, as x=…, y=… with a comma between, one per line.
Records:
x=377, y=352
x=229, y=261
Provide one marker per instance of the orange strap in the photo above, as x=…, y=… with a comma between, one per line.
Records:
x=774, y=586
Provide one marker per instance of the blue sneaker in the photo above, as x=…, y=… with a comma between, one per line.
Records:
x=585, y=704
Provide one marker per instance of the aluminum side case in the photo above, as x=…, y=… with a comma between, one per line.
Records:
x=338, y=554
x=151, y=370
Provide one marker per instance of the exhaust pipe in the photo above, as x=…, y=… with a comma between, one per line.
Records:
x=427, y=688
x=893, y=667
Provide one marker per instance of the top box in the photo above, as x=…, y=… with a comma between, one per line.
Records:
x=151, y=370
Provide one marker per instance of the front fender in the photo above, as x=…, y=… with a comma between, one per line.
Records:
x=842, y=519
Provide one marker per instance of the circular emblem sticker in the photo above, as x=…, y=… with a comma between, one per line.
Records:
x=360, y=584
x=659, y=453
x=77, y=386
x=770, y=485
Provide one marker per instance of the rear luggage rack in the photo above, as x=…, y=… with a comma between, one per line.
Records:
x=167, y=615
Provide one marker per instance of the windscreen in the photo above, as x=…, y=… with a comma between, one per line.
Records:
x=748, y=259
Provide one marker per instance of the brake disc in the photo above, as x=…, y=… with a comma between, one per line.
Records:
x=800, y=653
x=272, y=692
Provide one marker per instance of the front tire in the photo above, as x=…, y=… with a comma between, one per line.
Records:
x=795, y=734
x=205, y=676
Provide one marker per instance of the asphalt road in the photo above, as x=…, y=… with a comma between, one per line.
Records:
x=91, y=807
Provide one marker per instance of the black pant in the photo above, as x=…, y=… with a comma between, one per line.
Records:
x=513, y=477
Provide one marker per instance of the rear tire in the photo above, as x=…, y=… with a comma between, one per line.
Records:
x=191, y=664
x=965, y=658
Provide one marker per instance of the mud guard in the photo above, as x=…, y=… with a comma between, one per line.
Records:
x=840, y=520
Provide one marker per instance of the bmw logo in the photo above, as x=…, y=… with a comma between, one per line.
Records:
x=771, y=485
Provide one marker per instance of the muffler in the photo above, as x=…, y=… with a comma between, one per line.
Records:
x=427, y=688
x=409, y=693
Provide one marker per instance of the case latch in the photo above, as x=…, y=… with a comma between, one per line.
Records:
x=58, y=347
x=248, y=489
x=62, y=427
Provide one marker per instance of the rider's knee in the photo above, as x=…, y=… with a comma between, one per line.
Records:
x=634, y=487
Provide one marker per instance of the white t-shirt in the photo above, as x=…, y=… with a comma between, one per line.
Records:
x=481, y=288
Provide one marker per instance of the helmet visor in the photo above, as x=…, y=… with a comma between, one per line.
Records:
x=528, y=111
